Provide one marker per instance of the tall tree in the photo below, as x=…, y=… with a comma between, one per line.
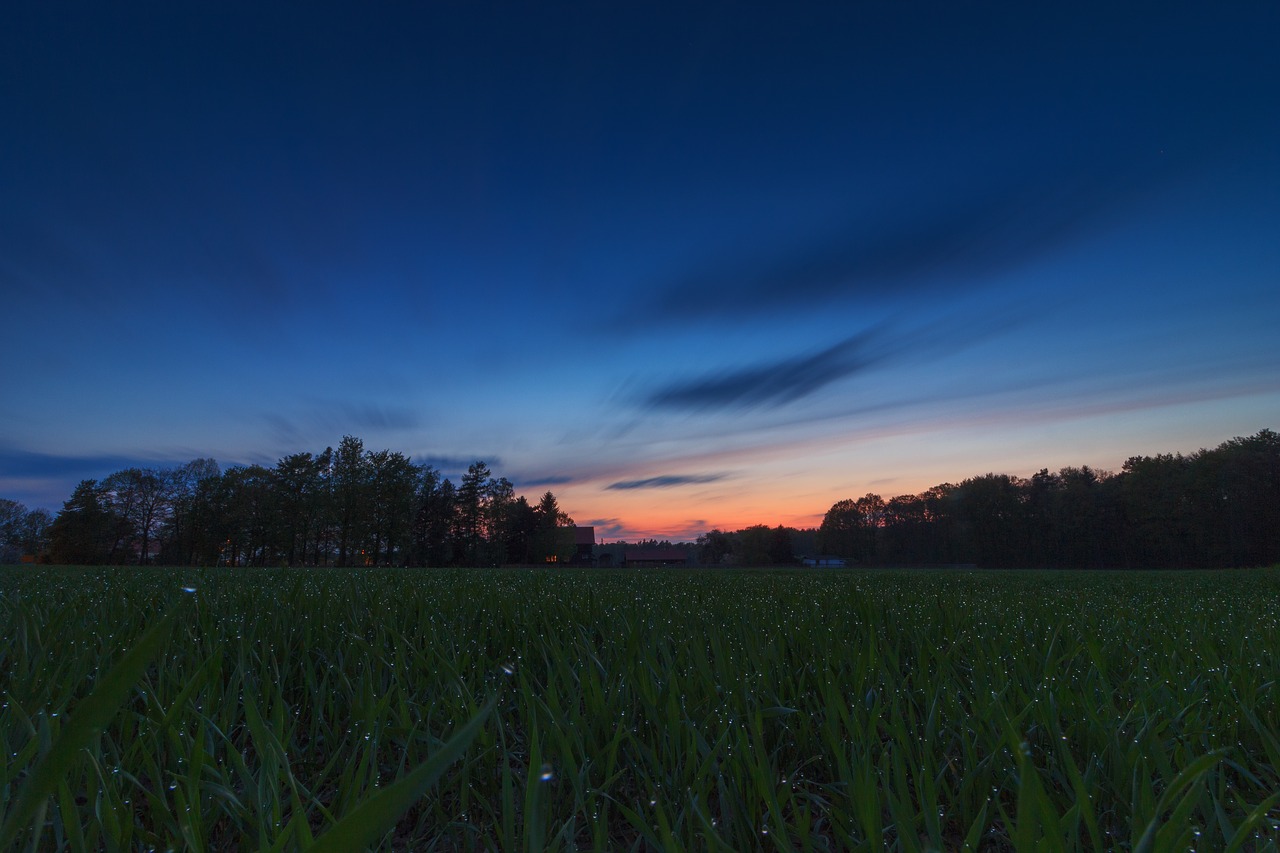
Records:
x=84, y=531
x=247, y=502
x=849, y=527
x=1249, y=479
x=22, y=531
x=142, y=499
x=472, y=498
x=182, y=528
x=991, y=520
x=553, y=536
x=714, y=547
x=1157, y=510
x=33, y=532
x=433, y=519
x=392, y=482
x=521, y=530
x=497, y=520
x=906, y=531
x=300, y=481
x=758, y=545
x=351, y=483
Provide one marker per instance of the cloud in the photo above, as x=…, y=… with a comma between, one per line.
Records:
x=778, y=383
x=607, y=528
x=546, y=480
x=772, y=384
x=619, y=530
x=372, y=416
x=329, y=418
x=25, y=463
x=458, y=464
x=665, y=482
x=910, y=248
x=47, y=479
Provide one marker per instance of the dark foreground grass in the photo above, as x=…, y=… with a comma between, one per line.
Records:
x=694, y=710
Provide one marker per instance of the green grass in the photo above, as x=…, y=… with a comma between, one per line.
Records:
x=663, y=710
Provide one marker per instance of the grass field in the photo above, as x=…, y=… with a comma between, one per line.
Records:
x=692, y=709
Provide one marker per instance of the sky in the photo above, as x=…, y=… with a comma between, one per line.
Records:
x=686, y=265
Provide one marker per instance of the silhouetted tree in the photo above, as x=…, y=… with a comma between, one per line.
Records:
x=1248, y=473
x=521, y=530
x=497, y=517
x=351, y=479
x=553, y=538
x=1156, y=506
x=433, y=520
x=849, y=527
x=301, y=483
x=12, y=515
x=393, y=481
x=908, y=535
x=761, y=545
x=472, y=495
x=1217, y=507
x=22, y=531
x=142, y=498
x=183, y=528
x=714, y=547
x=84, y=531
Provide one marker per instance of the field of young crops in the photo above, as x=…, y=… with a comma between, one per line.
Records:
x=614, y=710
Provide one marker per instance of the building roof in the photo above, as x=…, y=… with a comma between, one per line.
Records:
x=584, y=535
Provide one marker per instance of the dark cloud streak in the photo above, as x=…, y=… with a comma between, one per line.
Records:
x=457, y=465
x=788, y=380
x=769, y=385
x=537, y=482
x=338, y=418
x=665, y=482
x=910, y=251
x=25, y=463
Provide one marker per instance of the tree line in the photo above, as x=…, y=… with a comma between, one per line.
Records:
x=355, y=507
x=22, y=530
x=1213, y=508
x=343, y=507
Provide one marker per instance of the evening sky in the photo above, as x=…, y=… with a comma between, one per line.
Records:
x=687, y=265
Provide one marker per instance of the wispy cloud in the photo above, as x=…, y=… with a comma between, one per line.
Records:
x=47, y=479
x=450, y=465
x=773, y=384
x=665, y=482
x=617, y=529
x=917, y=246
x=787, y=380
x=329, y=419
x=25, y=463
x=543, y=480
x=373, y=416
x=607, y=528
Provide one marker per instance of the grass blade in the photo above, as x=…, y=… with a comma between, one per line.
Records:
x=1190, y=775
x=1251, y=821
x=89, y=717
x=362, y=826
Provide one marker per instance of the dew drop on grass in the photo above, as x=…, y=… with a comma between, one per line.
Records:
x=188, y=589
x=547, y=775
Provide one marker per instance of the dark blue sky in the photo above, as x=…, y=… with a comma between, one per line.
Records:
x=694, y=267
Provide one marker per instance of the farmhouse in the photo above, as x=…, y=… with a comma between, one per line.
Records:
x=584, y=543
